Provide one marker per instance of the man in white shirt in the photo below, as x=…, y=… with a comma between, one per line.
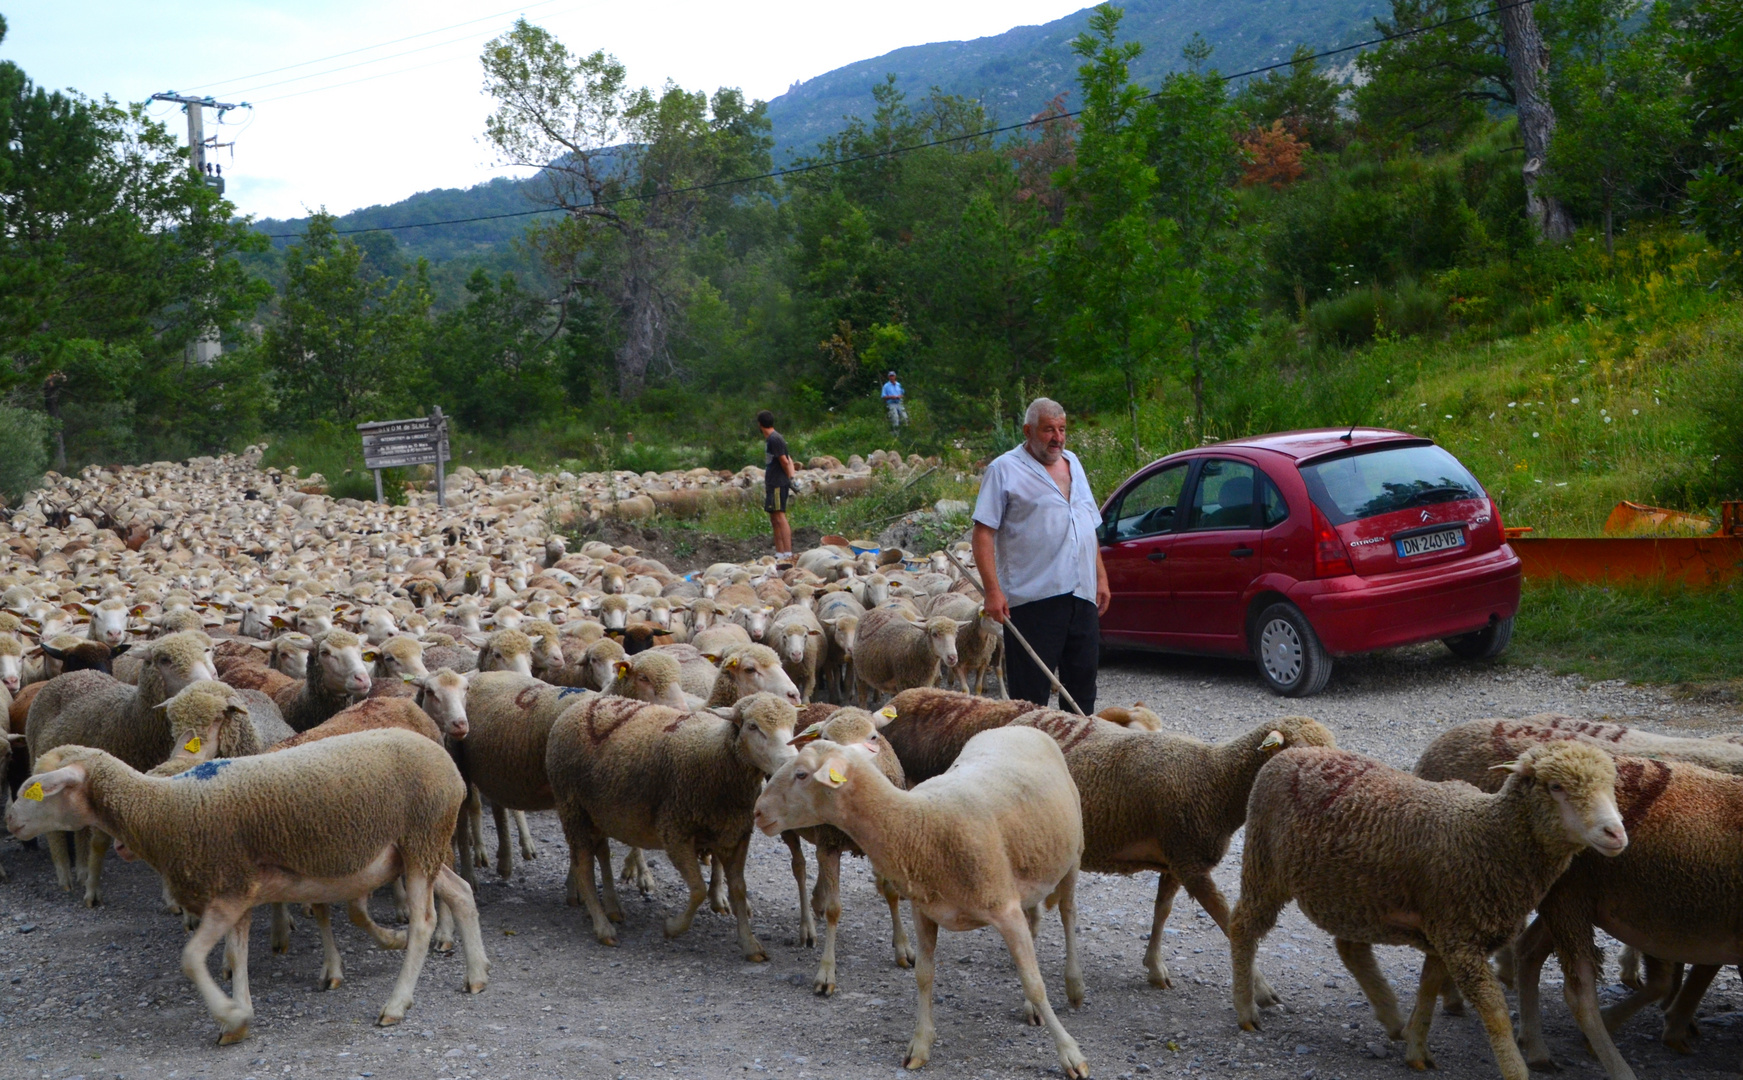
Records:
x=893, y=399
x=1040, y=562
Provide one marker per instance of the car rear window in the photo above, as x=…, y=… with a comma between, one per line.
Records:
x=1365, y=485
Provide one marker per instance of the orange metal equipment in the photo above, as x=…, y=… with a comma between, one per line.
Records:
x=1635, y=518
x=1731, y=518
x=1693, y=562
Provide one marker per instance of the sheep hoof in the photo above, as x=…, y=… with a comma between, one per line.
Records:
x=1682, y=1042
x=1423, y=1065
x=1160, y=979
x=443, y=947
x=606, y=938
x=919, y=1052
x=93, y=901
x=757, y=957
x=1250, y=1025
x=1031, y=1015
x=1077, y=1069
x=331, y=982
x=823, y=987
x=1544, y=1065
x=477, y=987
x=904, y=958
x=234, y=1035
x=388, y=1020
x=1455, y=1007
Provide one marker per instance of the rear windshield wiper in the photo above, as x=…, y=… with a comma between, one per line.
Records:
x=1437, y=494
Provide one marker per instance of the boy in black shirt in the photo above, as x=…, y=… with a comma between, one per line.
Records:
x=777, y=484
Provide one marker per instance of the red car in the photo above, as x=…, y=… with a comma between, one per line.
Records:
x=1298, y=547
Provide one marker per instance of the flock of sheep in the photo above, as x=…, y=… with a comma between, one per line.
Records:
x=345, y=685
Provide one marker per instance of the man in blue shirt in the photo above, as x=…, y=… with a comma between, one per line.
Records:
x=1039, y=561
x=893, y=401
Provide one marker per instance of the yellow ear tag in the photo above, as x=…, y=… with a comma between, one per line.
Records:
x=33, y=792
x=888, y=712
x=834, y=774
x=193, y=745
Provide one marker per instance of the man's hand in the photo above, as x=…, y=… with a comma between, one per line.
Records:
x=997, y=608
x=1103, y=596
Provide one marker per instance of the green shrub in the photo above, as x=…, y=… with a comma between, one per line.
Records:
x=23, y=451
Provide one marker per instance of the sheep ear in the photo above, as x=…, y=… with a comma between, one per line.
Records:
x=119, y=649
x=280, y=622
x=732, y=663
x=164, y=705
x=408, y=677
x=53, y=653
x=622, y=668
x=370, y=655
x=1516, y=767
x=884, y=715
x=18, y=739
x=51, y=783
x=263, y=646
x=833, y=772
x=1273, y=741
x=810, y=734
x=712, y=658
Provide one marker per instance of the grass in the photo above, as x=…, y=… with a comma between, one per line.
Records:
x=855, y=517
x=1652, y=635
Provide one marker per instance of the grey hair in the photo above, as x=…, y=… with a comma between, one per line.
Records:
x=1041, y=407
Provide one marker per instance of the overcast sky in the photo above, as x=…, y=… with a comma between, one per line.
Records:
x=379, y=124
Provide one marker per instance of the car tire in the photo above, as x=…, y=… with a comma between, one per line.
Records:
x=1291, y=660
x=1486, y=644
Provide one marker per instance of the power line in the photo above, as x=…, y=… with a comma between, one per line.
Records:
x=911, y=148
x=377, y=45
x=363, y=79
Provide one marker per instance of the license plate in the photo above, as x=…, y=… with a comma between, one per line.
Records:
x=1423, y=543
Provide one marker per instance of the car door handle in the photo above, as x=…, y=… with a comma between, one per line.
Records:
x=1241, y=552
x=1157, y=556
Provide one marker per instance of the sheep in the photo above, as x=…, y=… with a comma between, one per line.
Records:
x=335, y=677
x=1376, y=856
x=399, y=662
x=932, y=725
x=598, y=665
x=797, y=636
x=503, y=757
x=109, y=620
x=507, y=650
x=751, y=669
x=661, y=779
x=845, y=727
x=327, y=819
x=977, y=642
x=89, y=708
x=892, y=654
x=1167, y=802
x=652, y=677
x=717, y=639
x=1467, y=749
x=1672, y=894
x=754, y=618
x=985, y=844
x=694, y=670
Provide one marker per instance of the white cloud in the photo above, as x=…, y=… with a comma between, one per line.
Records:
x=416, y=123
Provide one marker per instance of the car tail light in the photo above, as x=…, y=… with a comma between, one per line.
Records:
x=1495, y=509
x=1330, y=557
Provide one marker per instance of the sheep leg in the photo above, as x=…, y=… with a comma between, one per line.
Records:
x=828, y=900
x=718, y=901
x=504, y=843
x=215, y=923
x=899, y=935
x=97, y=845
x=1656, y=987
x=1201, y=888
x=807, y=921
x=443, y=940
x=456, y=896
x=608, y=897
x=463, y=846
x=1530, y=951
x=1166, y=886
x=920, y=1046
x=236, y=945
x=358, y=912
x=1012, y=923
x=732, y=866
x=281, y=929
x=1580, y=965
x=400, y=908
x=63, y=868
x=420, y=900
x=1066, y=897
x=1680, y=1031
x=583, y=842
x=528, y=850
x=474, y=815
x=1416, y=1053
x=1358, y=958
x=1253, y=919
x=1629, y=963
x=332, y=964
x=1470, y=968
x=682, y=852
x=81, y=839
x=635, y=870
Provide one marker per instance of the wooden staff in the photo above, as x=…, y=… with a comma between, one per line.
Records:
x=1064, y=694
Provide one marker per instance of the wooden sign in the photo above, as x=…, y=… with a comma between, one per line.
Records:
x=393, y=444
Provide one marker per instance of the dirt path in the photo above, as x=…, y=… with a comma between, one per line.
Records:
x=100, y=993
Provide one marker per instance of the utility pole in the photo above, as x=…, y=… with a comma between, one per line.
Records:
x=204, y=349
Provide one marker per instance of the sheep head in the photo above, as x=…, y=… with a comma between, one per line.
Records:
x=1576, y=788
x=181, y=658
x=401, y=657
x=803, y=793
x=442, y=694
x=765, y=727
x=338, y=659
x=54, y=799
x=198, y=717
x=755, y=669
x=941, y=631
x=651, y=677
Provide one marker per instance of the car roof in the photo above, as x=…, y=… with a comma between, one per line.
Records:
x=1317, y=442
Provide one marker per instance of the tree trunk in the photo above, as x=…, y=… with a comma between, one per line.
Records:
x=1197, y=388
x=644, y=336
x=1528, y=60
x=51, y=404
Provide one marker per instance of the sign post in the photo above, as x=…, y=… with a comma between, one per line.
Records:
x=390, y=444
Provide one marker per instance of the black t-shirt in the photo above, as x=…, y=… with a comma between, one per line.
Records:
x=774, y=473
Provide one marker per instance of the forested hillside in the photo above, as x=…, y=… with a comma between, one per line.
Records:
x=1182, y=259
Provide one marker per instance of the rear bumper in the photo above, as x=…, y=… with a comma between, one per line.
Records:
x=1355, y=614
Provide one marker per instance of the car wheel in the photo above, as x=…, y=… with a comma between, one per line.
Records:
x=1486, y=644
x=1291, y=659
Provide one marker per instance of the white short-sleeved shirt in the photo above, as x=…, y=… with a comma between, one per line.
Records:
x=1044, y=546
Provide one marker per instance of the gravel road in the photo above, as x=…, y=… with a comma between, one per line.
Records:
x=100, y=994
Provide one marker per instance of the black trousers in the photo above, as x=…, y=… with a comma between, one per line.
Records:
x=1066, y=634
